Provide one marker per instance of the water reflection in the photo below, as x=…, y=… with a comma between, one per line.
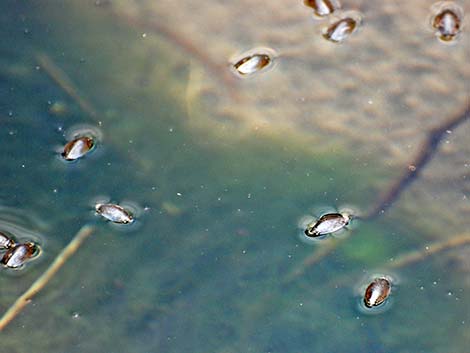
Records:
x=226, y=178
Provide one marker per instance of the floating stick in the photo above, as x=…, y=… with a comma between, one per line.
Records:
x=41, y=282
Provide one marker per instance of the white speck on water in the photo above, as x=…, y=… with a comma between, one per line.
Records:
x=75, y=315
x=179, y=194
x=144, y=35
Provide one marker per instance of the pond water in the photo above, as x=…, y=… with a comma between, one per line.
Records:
x=222, y=173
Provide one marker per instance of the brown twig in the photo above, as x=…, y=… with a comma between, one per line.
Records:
x=63, y=81
x=41, y=282
x=323, y=250
x=410, y=258
x=419, y=255
x=424, y=156
x=426, y=152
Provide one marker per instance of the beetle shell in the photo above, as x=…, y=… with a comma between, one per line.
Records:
x=377, y=292
x=16, y=256
x=326, y=224
x=341, y=29
x=447, y=24
x=6, y=242
x=322, y=8
x=77, y=148
x=114, y=213
x=252, y=64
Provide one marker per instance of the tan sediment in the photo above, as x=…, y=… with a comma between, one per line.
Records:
x=377, y=94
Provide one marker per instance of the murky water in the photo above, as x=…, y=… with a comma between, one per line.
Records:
x=215, y=261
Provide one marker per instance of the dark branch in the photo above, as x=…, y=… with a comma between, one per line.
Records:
x=425, y=154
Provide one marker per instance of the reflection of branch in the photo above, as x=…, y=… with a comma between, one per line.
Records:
x=426, y=152
x=41, y=282
x=61, y=78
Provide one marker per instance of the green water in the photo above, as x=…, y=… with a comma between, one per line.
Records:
x=206, y=267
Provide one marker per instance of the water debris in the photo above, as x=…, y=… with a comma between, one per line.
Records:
x=327, y=224
x=340, y=30
x=58, y=108
x=447, y=22
x=6, y=242
x=24, y=299
x=114, y=213
x=253, y=62
x=377, y=292
x=17, y=256
x=77, y=148
x=323, y=8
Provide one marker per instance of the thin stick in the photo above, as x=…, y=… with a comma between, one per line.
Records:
x=41, y=282
x=322, y=251
x=424, y=156
x=426, y=152
x=408, y=258
x=61, y=79
x=429, y=250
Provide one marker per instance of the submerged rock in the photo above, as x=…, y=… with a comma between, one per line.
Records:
x=377, y=292
x=327, y=224
x=114, y=213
